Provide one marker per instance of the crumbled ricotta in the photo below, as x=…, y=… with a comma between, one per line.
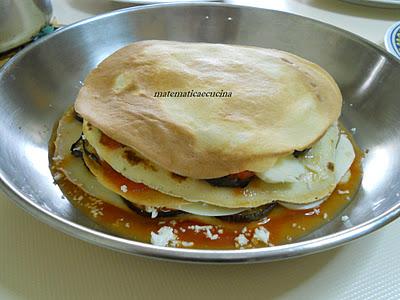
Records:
x=241, y=240
x=187, y=244
x=198, y=228
x=341, y=192
x=211, y=236
x=153, y=210
x=164, y=236
x=94, y=208
x=261, y=234
x=345, y=218
x=124, y=188
x=95, y=211
x=58, y=176
x=206, y=230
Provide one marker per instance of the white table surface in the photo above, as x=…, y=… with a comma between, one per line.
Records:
x=38, y=262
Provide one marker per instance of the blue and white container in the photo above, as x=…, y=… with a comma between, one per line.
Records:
x=392, y=40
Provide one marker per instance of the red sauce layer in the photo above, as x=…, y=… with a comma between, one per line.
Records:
x=283, y=225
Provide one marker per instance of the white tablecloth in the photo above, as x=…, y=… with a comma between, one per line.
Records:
x=38, y=262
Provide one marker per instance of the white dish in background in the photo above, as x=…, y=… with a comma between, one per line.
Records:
x=392, y=39
x=21, y=20
x=159, y=1
x=377, y=3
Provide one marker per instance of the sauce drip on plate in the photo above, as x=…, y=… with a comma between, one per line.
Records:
x=281, y=225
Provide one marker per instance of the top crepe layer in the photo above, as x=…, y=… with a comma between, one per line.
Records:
x=279, y=103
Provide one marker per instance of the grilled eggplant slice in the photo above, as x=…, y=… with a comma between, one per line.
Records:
x=250, y=215
x=161, y=213
x=78, y=117
x=90, y=151
x=77, y=148
x=298, y=153
x=240, y=180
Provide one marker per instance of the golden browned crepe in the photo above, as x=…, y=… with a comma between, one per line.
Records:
x=311, y=188
x=101, y=182
x=279, y=103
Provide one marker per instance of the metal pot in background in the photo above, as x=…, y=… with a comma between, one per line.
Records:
x=20, y=20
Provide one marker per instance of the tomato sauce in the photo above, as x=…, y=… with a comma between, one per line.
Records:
x=284, y=225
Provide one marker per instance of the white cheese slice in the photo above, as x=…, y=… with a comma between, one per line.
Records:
x=303, y=206
x=288, y=169
x=344, y=157
x=307, y=168
x=204, y=209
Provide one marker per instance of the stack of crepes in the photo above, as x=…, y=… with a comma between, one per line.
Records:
x=275, y=138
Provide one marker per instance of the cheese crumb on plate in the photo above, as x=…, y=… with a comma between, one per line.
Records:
x=164, y=236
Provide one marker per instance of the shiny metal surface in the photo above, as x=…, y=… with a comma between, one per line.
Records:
x=38, y=84
x=158, y=1
x=21, y=20
x=377, y=3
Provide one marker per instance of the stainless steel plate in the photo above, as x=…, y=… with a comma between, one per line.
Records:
x=43, y=80
x=158, y=1
x=377, y=3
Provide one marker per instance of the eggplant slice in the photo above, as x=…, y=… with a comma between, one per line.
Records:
x=239, y=180
x=78, y=117
x=250, y=215
x=77, y=148
x=298, y=153
x=90, y=151
x=161, y=213
x=82, y=146
x=246, y=216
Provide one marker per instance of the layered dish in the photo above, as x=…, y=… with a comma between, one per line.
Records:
x=212, y=146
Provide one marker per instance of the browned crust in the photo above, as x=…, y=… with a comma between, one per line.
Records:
x=280, y=103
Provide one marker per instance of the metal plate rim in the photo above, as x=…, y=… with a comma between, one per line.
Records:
x=189, y=255
x=376, y=3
